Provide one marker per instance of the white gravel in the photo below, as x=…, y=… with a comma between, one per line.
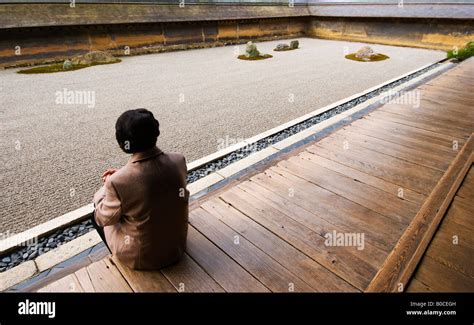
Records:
x=52, y=154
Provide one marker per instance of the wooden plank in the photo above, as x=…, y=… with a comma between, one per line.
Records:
x=84, y=279
x=286, y=204
x=466, y=191
x=409, y=250
x=69, y=283
x=452, y=82
x=187, y=276
x=452, y=111
x=463, y=211
x=429, y=116
x=402, y=173
x=436, y=88
x=386, y=204
x=436, y=99
x=315, y=275
x=421, y=123
x=417, y=286
x=419, y=157
x=272, y=274
x=409, y=174
x=452, y=228
x=407, y=139
x=378, y=231
x=340, y=260
x=441, y=278
x=417, y=133
x=381, y=184
x=106, y=278
x=144, y=281
x=222, y=268
x=449, y=98
x=458, y=257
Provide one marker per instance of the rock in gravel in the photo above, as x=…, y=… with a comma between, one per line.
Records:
x=50, y=240
x=67, y=65
x=3, y=264
x=365, y=53
x=93, y=57
x=6, y=259
x=251, y=50
x=281, y=47
x=294, y=44
x=25, y=256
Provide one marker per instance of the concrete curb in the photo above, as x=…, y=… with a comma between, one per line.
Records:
x=200, y=187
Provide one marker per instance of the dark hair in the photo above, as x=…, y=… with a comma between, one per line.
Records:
x=137, y=130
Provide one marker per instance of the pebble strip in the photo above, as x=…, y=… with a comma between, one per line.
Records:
x=44, y=245
x=62, y=236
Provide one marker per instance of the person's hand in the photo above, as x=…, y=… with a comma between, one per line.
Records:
x=107, y=173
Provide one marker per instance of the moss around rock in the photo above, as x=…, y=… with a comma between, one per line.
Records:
x=462, y=53
x=366, y=54
x=252, y=53
x=58, y=67
x=261, y=57
x=79, y=62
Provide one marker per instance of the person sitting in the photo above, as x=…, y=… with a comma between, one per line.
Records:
x=141, y=211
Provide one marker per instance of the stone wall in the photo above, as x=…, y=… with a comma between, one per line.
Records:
x=440, y=34
x=20, y=46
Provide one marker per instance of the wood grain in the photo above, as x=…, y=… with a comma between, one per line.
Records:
x=402, y=261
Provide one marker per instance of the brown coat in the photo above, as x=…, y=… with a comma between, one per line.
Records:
x=144, y=208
